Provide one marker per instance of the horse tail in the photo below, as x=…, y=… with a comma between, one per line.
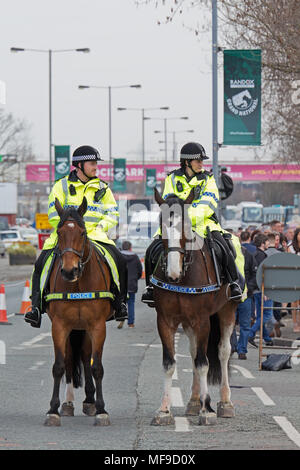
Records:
x=76, y=340
x=214, y=371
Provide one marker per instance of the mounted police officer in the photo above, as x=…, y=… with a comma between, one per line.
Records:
x=101, y=216
x=202, y=213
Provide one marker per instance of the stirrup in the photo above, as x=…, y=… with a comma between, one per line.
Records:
x=147, y=297
x=237, y=297
x=33, y=317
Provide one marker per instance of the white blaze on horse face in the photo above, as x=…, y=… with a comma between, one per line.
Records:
x=71, y=225
x=174, y=236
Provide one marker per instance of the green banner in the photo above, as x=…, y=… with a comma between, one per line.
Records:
x=150, y=181
x=119, y=175
x=62, y=161
x=242, y=97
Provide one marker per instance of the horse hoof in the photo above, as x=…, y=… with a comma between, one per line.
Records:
x=102, y=420
x=163, y=419
x=67, y=409
x=52, y=420
x=225, y=410
x=207, y=419
x=89, y=409
x=193, y=408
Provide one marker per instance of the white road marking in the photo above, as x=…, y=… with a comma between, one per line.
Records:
x=181, y=424
x=31, y=343
x=244, y=371
x=37, y=365
x=2, y=353
x=263, y=396
x=289, y=429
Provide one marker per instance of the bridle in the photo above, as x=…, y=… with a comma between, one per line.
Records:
x=80, y=254
x=186, y=263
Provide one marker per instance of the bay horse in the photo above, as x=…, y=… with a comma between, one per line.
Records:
x=79, y=306
x=188, y=291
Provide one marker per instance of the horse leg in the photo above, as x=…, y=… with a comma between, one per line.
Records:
x=88, y=405
x=164, y=416
x=207, y=416
x=98, y=337
x=193, y=406
x=227, y=321
x=67, y=408
x=59, y=335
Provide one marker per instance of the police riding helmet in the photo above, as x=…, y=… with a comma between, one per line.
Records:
x=193, y=151
x=83, y=154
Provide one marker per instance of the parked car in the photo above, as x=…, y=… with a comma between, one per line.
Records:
x=30, y=234
x=9, y=237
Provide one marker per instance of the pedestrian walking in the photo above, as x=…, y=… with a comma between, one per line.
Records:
x=244, y=309
x=135, y=271
x=261, y=242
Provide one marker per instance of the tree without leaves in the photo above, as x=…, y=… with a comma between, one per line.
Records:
x=273, y=27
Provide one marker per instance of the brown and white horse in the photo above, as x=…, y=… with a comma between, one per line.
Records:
x=187, y=292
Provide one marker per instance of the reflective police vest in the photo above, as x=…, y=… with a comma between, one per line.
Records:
x=203, y=208
x=102, y=206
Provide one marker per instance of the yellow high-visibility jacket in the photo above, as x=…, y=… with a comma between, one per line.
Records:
x=102, y=206
x=202, y=210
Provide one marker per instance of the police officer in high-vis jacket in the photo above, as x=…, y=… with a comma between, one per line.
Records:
x=202, y=212
x=101, y=215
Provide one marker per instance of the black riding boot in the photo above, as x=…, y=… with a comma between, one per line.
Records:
x=230, y=269
x=34, y=316
x=120, y=302
x=151, y=258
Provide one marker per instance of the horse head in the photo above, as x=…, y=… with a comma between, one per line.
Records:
x=176, y=233
x=72, y=240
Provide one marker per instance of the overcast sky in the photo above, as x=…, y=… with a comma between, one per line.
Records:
x=127, y=47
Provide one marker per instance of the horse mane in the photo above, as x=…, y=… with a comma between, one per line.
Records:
x=71, y=214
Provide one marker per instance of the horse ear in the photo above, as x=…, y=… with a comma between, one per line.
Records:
x=158, y=197
x=58, y=207
x=190, y=197
x=83, y=207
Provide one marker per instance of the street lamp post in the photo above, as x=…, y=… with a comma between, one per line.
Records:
x=50, y=52
x=166, y=131
x=165, y=108
x=109, y=88
x=174, y=138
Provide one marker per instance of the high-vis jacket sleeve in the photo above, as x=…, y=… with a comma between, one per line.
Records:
x=110, y=214
x=207, y=203
x=169, y=188
x=60, y=193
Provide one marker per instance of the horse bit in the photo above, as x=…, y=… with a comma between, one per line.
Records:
x=80, y=254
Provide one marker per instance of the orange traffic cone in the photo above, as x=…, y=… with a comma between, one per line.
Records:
x=3, y=311
x=26, y=302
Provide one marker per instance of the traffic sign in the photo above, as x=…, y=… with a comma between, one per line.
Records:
x=42, y=222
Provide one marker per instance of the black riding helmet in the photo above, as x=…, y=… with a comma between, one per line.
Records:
x=83, y=154
x=192, y=151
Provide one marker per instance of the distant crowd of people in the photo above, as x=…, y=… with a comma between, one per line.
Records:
x=257, y=245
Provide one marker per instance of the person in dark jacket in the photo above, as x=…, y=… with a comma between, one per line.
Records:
x=244, y=309
x=135, y=270
x=261, y=242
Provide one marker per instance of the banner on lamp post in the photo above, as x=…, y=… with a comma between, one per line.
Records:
x=62, y=161
x=150, y=181
x=242, y=97
x=119, y=175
